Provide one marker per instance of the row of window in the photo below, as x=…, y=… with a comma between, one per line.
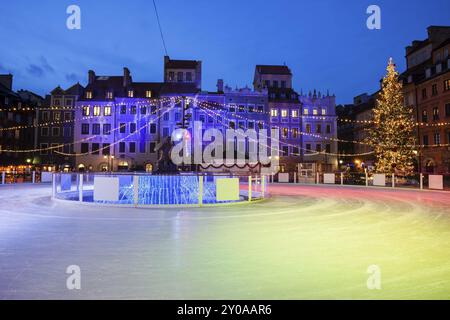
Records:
x=435, y=115
x=181, y=76
x=294, y=132
x=56, y=116
x=436, y=139
x=295, y=151
x=243, y=108
x=434, y=89
x=57, y=102
x=295, y=113
x=97, y=110
x=56, y=131
x=110, y=94
x=97, y=128
x=124, y=147
x=275, y=84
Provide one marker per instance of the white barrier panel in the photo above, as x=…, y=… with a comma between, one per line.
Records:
x=227, y=189
x=46, y=177
x=379, y=180
x=283, y=177
x=106, y=189
x=436, y=182
x=329, y=178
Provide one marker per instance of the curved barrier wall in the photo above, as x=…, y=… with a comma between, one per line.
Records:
x=155, y=190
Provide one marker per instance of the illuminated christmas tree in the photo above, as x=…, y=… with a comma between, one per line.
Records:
x=392, y=133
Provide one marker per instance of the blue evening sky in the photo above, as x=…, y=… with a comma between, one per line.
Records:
x=325, y=42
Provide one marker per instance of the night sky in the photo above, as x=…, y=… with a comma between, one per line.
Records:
x=325, y=42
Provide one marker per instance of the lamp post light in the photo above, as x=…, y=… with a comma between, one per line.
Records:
x=110, y=159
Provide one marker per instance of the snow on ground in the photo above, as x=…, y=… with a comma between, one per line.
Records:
x=305, y=242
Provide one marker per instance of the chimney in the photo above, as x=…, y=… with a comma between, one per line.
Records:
x=6, y=80
x=220, y=85
x=91, y=76
x=126, y=77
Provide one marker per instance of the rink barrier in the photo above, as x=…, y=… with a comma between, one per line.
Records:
x=419, y=181
x=147, y=190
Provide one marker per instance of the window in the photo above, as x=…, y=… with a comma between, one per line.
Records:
x=107, y=129
x=308, y=128
x=67, y=132
x=232, y=108
x=284, y=113
x=142, y=147
x=107, y=111
x=55, y=131
x=241, y=108
x=45, y=116
x=295, y=151
x=85, y=128
x=319, y=128
x=123, y=128
x=305, y=112
x=106, y=149
x=232, y=125
x=435, y=113
x=43, y=148
x=424, y=116
x=275, y=83
x=84, y=147
x=68, y=102
x=143, y=110
x=308, y=147
x=153, y=109
x=434, y=89
x=315, y=112
x=424, y=93
x=96, y=111
x=123, y=109
x=130, y=93
x=153, y=128
x=447, y=109
x=241, y=124
x=266, y=83
x=328, y=148
x=96, y=148
x=437, y=138
x=295, y=133
x=67, y=116
x=86, y=111
x=251, y=109
x=165, y=132
x=88, y=94
x=425, y=140
x=273, y=112
x=283, y=84
x=166, y=116
x=133, y=110
x=251, y=125
x=109, y=95
x=318, y=148
x=148, y=94
x=180, y=76
x=96, y=128
x=447, y=85
x=201, y=118
x=285, y=132
x=152, y=147
x=260, y=125
x=57, y=102
x=132, y=127
x=132, y=147
x=324, y=112
x=44, y=131
x=121, y=147
x=56, y=116
x=285, y=151
x=261, y=109
x=294, y=113
x=189, y=76
x=171, y=76
x=328, y=129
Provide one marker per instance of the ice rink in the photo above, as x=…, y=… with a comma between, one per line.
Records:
x=305, y=242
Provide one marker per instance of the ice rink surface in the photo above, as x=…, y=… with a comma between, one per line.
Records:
x=306, y=242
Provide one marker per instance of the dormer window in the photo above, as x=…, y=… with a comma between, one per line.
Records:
x=324, y=112
x=148, y=93
x=88, y=94
x=109, y=95
x=130, y=93
x=188, y=76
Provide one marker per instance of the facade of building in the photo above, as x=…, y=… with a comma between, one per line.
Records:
x=427, y=88
x=17, y=126
x=307, y=123
x=56, y=119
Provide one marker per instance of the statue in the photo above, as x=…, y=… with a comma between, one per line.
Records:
x=164, y=164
